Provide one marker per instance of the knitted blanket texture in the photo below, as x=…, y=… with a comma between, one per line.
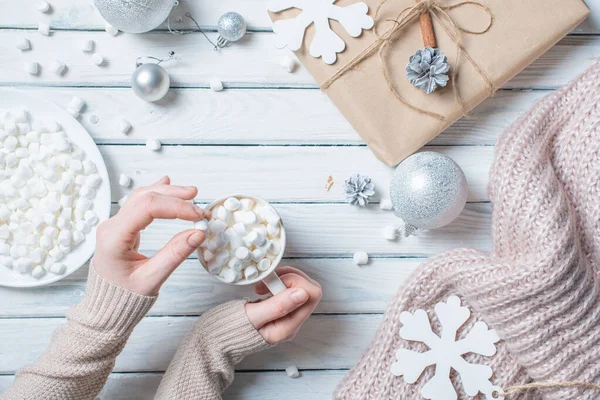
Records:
x=539, y=286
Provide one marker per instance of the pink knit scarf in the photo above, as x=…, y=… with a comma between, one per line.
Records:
x=539, y=287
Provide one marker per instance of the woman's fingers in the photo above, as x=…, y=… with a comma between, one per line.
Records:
x=262, y=289
x=280, y=320
x=182, y=192
x=276, y=307
x=179, y=248
x=138, y=214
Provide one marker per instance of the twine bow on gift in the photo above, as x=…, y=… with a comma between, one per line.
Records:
x=440, y=14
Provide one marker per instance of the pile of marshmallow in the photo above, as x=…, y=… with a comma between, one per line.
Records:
x=47, y=189
x=243, y=239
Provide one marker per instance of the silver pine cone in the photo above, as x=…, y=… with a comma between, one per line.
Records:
x=427, y=69
x=359, y=190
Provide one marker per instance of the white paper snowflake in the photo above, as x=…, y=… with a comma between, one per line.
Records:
x=446, y=352
x=326, y=43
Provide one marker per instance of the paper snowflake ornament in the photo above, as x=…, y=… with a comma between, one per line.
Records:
x=445, y=352
x=326, y=43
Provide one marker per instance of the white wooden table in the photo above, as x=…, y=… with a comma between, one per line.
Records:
x=269, y=133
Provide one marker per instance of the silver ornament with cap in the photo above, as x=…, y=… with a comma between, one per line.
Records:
x=135, y=16
x=150, y=82
x=232, y=27
x=428, y=191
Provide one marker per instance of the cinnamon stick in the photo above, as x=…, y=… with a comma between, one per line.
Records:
x=427, y=30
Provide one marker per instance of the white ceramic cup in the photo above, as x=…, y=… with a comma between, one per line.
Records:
x=269, y=277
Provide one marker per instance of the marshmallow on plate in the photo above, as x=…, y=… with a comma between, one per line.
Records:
x=47, y=208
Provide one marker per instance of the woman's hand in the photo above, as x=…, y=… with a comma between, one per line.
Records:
x=117, y=240
x=280, y=317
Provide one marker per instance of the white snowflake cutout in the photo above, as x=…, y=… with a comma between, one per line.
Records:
x=326, y=43
x=446, y=352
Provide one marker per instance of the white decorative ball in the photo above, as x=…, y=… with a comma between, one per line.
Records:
x=428, y=190
x=135, y=16
x=150, y=82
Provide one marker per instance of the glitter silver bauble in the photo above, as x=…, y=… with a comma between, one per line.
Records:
x=232, y=27
x=135, y=16
x=428, y=191
x=150, y=82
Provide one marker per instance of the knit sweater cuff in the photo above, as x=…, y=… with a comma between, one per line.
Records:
x=108, y=307
x=228, y=327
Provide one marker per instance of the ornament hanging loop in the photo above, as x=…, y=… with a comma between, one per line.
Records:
x=171, y=56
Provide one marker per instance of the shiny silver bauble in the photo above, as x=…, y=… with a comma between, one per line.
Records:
x=232, y=27
x=428, y=191
x=135, y=16
x=150, y=82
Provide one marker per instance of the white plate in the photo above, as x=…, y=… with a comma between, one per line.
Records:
x=46, y=111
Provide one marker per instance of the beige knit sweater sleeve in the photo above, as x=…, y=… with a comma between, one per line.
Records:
x=82, y=352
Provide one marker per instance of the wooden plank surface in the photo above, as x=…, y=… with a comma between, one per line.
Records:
x=191, y=291
x=342, y=230
x=204, y=117
x=271, y=385
x=276, y=173
x=324, y=342
x=199, y=64
x=257, y=141
x=68, y=14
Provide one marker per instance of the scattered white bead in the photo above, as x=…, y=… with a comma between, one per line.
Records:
x=390, y=232
x=216, y=85
x=44, y=29
x=59, y=67
x=386, y=204
x=43, y=6
x=32, y=68
x=231, y=276
x=73, y=113
x=232, y=204
x=124, y=127
x=23, y=44
x=153, y=144
x=89, y=167
x=111, y=30
x=78, y=237
x=93, y=180
x=236, y=230
x=222, y=213
x=288, y=64
x=87, y=46
x=122, y=201
x=23, y=265
x=251, y=272
x=242, y=253
x=264, y=264
x=94, y=119
x=91, y=217
x=201, y=225
x=361, y=258
x=247, y=204
x=97, y=59
x=57, y=268
x=38, y=272
x=76, y=104
x=124, y=180
x=292, y=371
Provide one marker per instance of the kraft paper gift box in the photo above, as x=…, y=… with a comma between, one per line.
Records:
x=520, y=32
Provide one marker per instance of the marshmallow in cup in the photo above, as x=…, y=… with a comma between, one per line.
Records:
x=245, y=241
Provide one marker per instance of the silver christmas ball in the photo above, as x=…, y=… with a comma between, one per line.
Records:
x=150, y=82
x=428, y=191
x=135, y=16
x=232, y=27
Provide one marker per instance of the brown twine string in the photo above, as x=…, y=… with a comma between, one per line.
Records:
x=547, y=385
x=409, y=14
